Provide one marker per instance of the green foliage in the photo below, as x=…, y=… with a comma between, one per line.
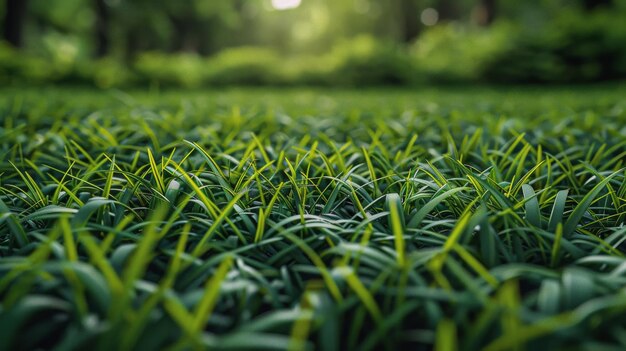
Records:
x=16, y=67
x=239, y=66
x=201, y=43
x=361, y=61
x=367, y=61
x=572, y=48
x=107, y=72
x=246, y=66
x=454, y=53
x=300, y=219
x=185, y=69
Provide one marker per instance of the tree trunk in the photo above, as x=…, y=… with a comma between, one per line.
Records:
x=102, y=28
x=485, y=12
x=410, y=16
x=186, y=34
x=447, y=10
x=179, y=36
x=15, y=11
x=590, y=5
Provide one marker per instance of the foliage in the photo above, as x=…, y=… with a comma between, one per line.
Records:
x=452, y=53
x=366, y=61
x=16, y=67
x=571, y=49
x=298, y=219
x=246, y=66
x=185, y=69
x=107, y=72
x=361, y=61
x=194, y=43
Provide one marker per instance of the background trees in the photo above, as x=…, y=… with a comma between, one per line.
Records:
x=464, y=38
x=127, y=27
x=14, y=21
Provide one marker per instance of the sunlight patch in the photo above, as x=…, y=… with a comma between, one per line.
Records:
x=285, y=4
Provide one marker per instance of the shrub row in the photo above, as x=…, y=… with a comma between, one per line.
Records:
x=572, y=48
x=360, y=61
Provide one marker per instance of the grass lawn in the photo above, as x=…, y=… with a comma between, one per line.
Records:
x=313, y=219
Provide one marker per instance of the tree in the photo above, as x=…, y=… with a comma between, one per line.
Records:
x=593, y=4
x=448, y=10
x=102, y=28
x=485, y=12
x=15, y=11
x=410, y=25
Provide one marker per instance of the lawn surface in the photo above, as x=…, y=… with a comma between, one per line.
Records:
x=332, y=220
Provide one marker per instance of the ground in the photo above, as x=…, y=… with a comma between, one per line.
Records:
x=452, y=218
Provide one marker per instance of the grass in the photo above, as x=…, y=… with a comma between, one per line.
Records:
x=252, y=219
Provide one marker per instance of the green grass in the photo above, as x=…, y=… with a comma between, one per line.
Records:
x=300, y=219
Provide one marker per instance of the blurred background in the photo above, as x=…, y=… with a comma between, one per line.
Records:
x=194, y=43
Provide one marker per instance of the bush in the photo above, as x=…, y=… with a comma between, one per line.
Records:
x=359, y=61
x=18, y=68
x=108, y=72
x=452, y=53
x=528, y=60
x=21, y=68
x=367, y=61
x=185, y=69
x=593, y=47
x=573, y=48
x=310, y=70
x=245, y=66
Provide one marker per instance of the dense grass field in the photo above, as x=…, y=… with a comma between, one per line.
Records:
x=490, y=219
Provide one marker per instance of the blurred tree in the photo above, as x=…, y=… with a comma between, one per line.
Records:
x=593, y=4
x=448, y=10
x=102, y=28
x=410, y=22
x=196, y=25
x=186, y=36
x=14, y=14
x=485, y=12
